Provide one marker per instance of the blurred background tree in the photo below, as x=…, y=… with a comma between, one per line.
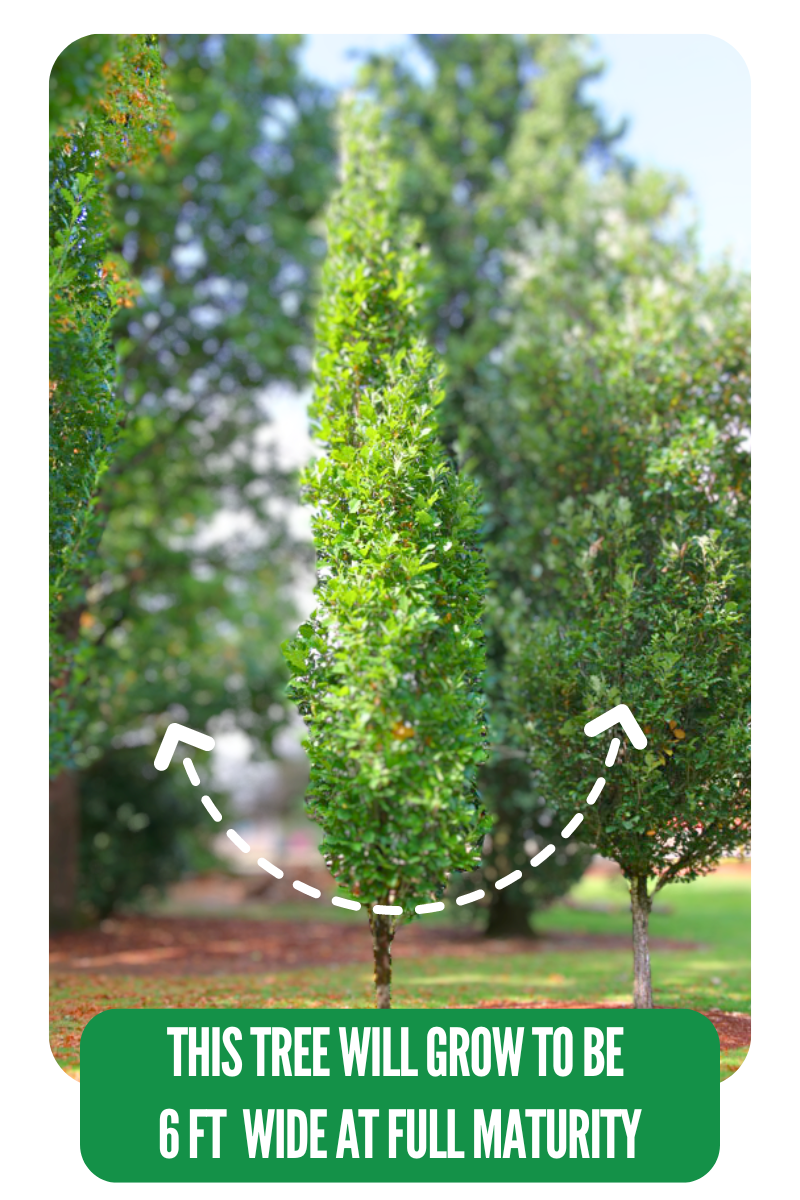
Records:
x=198, y=562
x=197, y=548
x=139, y=831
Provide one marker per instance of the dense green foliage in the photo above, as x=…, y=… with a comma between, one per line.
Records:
x=122, y=119
x=637, y=417
x=76, y=79
x=654, y=627
x=138, y=830
x=647, y=561
x=387, y=671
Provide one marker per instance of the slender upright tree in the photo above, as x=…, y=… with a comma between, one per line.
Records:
x=388, y=669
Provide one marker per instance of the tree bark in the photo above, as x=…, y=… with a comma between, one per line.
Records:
x=507, y=919
x=64, y=837
x=640, y=912
x=382, y=928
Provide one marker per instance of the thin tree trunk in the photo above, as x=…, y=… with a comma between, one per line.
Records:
x=382, y=934
x=640, y=912
x=64, y=830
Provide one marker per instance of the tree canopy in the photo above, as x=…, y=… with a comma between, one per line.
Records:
x=190, y=592
x=198, y=560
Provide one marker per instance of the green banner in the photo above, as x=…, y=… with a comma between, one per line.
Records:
x=424, y=1095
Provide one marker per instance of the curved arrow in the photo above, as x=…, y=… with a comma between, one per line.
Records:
x=622, y=714
x=619, y=714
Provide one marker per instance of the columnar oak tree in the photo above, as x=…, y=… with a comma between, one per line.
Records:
x=388, y=669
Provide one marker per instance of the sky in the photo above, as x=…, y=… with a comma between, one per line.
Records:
x=687, y=100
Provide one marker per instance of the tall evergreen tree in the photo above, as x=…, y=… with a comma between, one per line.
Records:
x=387, y=672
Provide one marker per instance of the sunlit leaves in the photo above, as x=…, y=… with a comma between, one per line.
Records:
x=388, y=671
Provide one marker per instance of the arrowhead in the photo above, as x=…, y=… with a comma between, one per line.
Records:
x=620, y=714
x=179, y=733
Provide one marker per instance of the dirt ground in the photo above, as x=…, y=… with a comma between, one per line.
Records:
x=142, y=945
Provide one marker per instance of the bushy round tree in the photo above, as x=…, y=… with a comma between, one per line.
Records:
x=388, y=669
x=650, y=572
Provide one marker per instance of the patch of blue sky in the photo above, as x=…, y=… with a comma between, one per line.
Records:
x=686, y=98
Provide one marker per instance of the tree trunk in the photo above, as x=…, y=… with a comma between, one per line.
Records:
x=64, y=832
x=382, y=933
x=507, y=919
x=640, y=911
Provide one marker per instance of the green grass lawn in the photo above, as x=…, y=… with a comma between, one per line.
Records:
x=713, y=972
x=713, y=912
